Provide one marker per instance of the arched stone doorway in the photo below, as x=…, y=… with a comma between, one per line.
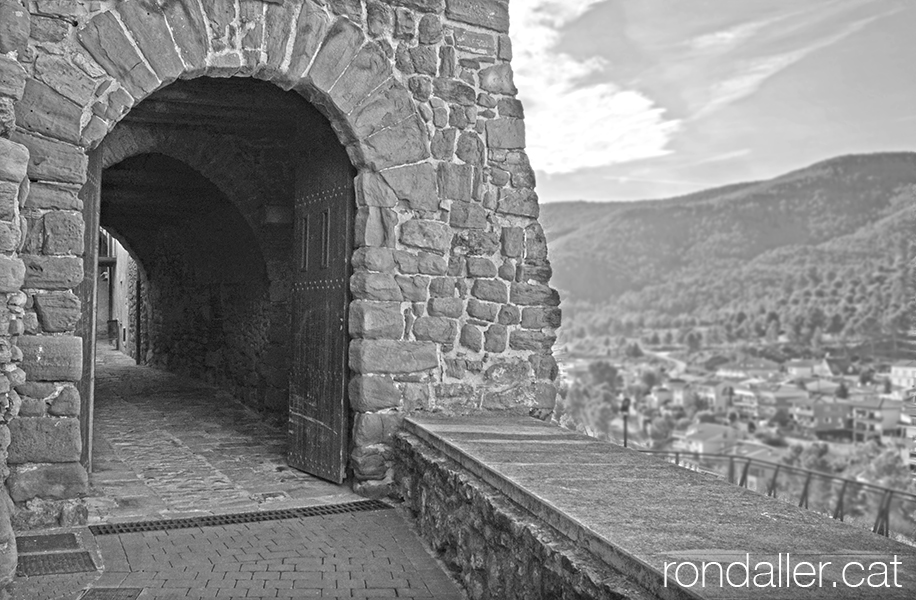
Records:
x=247, y=267
x=451, y=306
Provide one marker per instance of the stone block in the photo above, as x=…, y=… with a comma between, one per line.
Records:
x=513, y=241
x=310, y=31
x=15, y=24
x=51, y=160
x=432, y=264
x=109, y=45
x=545, y=366
x=146, y=23
x=540, y=317
x=385, y=356
x=442, y=287
x=341, y=44
x=376, y=320
x=408, y=262
x=49, y=29
x=475, y=42
x=495, y=338
x=57, y=311
x=400, y=144
x=66, y=403
x=533, y=341
x=522, y=202
x=32, y=407
x=52, y=358
x=446, y=307
x=484, y=311
x=429, y=235
x=52, y=272
x=379, y=287
x=375, y=428
x=456, y=182
x=44, y=440
x=66, y=78
x=421, y=5
x=435, y=329
x=14, y=161
x=369, y=69
x=9, y=199
x=12, y=274
x=379, y=260
x=12, y=77
x=413, y=287
x=375, y=226
x=534, y=294
x=372, y=190
x=48, y=481
x=372, y=393
x=480, y=243
x=471, y=338
x=491, y=14
x=509, y=315
x=454, y=91
x=498, y=79
x=511, y=107
x=389, y=105
x=481, y=267
x=505, y=133
x=368, y=463
x=468, y=215
x=63, y=233
x=425, y=59
x=490, y=290
x=189, y=32
x=470, y=148
x=416, y=184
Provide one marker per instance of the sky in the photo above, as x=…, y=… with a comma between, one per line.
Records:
x=645, y=99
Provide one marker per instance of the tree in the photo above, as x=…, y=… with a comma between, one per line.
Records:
x=604, y=374
x=772, y=334
x=842, y=392
x=649, y=379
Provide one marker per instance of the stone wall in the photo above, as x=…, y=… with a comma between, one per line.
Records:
x=497, y=550
x=451, y=305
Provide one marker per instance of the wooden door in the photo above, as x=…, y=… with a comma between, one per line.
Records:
x=318, y=408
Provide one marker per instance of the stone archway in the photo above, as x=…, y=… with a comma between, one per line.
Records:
x=452, y=308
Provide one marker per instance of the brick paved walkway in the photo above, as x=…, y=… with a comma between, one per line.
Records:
x=170, y=447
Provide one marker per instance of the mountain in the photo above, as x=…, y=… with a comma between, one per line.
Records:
x=833, y=237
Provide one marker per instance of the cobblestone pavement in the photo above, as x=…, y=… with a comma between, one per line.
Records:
x=171, y=447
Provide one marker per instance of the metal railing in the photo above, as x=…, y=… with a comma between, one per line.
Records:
x=894, y=510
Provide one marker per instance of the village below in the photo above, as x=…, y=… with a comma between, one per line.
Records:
x=841, y=411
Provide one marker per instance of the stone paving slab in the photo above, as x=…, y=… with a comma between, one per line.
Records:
x=168, y=446
x=639, y=512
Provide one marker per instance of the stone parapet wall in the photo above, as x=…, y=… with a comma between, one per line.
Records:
x=497, y=550
x=451, y=309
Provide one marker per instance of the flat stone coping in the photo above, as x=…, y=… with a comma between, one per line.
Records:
x=637, y=512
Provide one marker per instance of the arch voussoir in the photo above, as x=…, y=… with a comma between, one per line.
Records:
x=147, y=25
x=108, y=43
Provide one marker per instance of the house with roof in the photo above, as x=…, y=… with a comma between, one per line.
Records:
x=679, y=391
x=903, y=374
x=715, y=392
x=875, y=416
x=710, y=438
x=748, y=367
x=772, y=399
x=745, y=401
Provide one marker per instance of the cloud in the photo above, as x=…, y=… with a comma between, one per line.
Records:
x=747, y=76
x=572, y=125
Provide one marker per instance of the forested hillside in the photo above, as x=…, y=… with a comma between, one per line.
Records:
x=823, y=248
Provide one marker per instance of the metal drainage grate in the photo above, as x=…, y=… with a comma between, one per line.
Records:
x=111, y=594
x=250, y=517
x=60, y=563
x=28, y=544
